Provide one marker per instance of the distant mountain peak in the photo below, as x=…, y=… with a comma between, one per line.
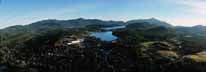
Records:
x=151, y=21
x=80, y=19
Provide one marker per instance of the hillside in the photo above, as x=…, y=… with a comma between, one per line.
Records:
x=194, y=30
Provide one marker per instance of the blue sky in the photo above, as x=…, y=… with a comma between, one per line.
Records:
x=176, y=12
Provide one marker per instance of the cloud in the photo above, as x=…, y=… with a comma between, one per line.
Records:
x=183, y=21
x=195, y=6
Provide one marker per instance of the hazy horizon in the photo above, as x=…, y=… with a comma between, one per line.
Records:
x=177, y=13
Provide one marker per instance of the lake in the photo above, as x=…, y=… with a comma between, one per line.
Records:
x=107, y=35
x=115, y=27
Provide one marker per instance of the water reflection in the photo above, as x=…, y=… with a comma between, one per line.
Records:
x=105, y=36
x=116, y=27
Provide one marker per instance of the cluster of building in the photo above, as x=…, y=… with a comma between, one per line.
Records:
x=70, y=40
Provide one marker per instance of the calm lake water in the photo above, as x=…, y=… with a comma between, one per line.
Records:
x=116, y=27
x=107, y=35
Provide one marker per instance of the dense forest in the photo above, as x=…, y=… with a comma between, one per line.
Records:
x=142, y=46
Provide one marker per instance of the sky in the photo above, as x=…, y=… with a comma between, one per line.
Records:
x=175, y=12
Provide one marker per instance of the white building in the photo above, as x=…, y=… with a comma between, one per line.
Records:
x=75, y=41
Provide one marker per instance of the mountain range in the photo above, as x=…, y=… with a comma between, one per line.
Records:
x=52, y=23
x=81, y=23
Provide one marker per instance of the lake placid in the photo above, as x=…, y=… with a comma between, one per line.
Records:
x=116, y=27
x=105, y=36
